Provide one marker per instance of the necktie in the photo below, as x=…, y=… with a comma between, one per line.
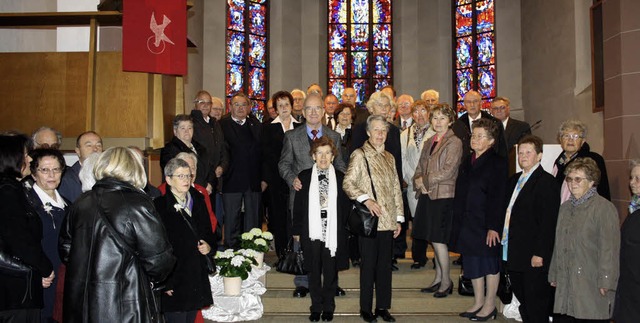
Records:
x=240, y=122
x=314, y=133
x=404, y=124
x=330, y=122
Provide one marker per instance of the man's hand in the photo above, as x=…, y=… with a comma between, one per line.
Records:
x=297, y=184
x=219, y=171
x=209, y=188
x=47, y=281
x=263, y=185
x=536, y=261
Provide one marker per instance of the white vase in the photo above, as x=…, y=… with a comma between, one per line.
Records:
x=232, y=285
x=259, y=259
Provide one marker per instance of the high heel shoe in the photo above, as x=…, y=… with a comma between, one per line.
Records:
x=469, y=314
x=493, y=314
x=431, y=289
x=444, y=293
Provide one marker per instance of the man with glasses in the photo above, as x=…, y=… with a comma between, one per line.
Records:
x=70, y=186
x=298, y=101
x=295, y=158
x=430, y=96
x=243, y=184
x=513, y=129
x=405, y=119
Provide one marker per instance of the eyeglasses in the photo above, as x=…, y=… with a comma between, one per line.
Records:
x=182, y=176
x=48, y=171
x=314, y=109
x=471, y=101
x=237, y=105
x=499, y=108
x=573, y=136
x=576, y=180
x=202, y=102
x=478, y=136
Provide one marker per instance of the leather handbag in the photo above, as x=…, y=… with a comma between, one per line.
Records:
x=291, y=261
x=465, y=287
x=360, y=221
x=13, y=266
x=505, y=293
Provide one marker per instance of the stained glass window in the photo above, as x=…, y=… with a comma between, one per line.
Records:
x=360, y=47
x=247, y=44
x=475, y=50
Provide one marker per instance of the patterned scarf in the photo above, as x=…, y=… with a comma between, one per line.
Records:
x=591, y=192
x=635, y=204
x=418, y=134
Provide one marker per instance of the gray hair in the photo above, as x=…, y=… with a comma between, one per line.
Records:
x=304, y=94
x=35, y=134
x=180, y=118
x=373, y=118
x=86, y=171
x=376, y=98
x=573, y=125
x=174, y=164
x=430, y=91
x=184, y=155
x=633, y=163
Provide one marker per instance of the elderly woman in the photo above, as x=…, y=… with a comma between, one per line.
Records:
x=372, y=168
x=479, y=213
x=345, y=112
x=114, y=236
x=435, y=182
x=277, y=193
x=185, y=216
x=20, y=236
x=320, y=209
x=584, y=267
x=628, y=293
x=572, y=136
x=46, y=170
x=182, y=141
x=532, y=198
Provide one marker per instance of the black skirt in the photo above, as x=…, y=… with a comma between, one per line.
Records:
x=433, y=219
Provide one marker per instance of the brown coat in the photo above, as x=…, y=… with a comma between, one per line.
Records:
x=439, y=170
x=385, y=180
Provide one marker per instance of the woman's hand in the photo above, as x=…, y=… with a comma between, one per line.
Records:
x=553, y=284
x=169, y=292
x=603, y=291
x=536, y=261
x=397, y=231
x=373, y=207
x=204, y=247
x=419, y=185
x=493, y=238
x=297, y=184
x=47, y=281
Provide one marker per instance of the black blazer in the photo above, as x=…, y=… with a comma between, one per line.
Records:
x=300, y=224
x=204, y=173
x=391, y=144
x=272, y=139
x=462, y=129
x=585, y=151
x=245, y=156
x=515, y=130
x=189, y=279
x=209, y=135
x=532, y=229
x=628, y=291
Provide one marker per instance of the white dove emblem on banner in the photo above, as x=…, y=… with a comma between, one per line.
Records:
x=156, y=43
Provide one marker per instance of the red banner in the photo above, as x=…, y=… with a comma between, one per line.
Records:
x=154, y=36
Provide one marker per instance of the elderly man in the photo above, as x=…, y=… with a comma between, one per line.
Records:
x=46, y=137
x=217, y=108
x=270, y=113
x=70, y=186
x=208, y=133
x=391, y=92
x=513, y=129
x=330, y=105
x=298, y=102
x=243, y=183
x=349, y=95
x=315, y=88
x=295, y=158
x=462, y=126
x=430, y=96
x=405, y=118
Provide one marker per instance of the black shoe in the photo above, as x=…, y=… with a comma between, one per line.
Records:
x=394, y=267
x=300, y=292
x=417, y=265
x=355, y=263
x=444, y=293
x=340, y=291
x=458, y=261
x=385, y=315
x=469, y=314
x=493, y=314
x=327, y=316
x=394, y=261
x=367, y=316
x=314, y=317
x=431, y=289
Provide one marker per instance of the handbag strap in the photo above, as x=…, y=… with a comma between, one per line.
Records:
x=112, y=230
x=373, y=188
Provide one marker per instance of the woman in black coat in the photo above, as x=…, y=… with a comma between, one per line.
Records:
x=479, y=216
x=626, y=309
x=532, y=201
x=319, y=214
x=183, y=211
x=20, y=236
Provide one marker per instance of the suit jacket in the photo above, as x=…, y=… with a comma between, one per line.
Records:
x=245, y=156
x=532, y=228
x=514, y=131
x=325, y=121
x=392, y=143
x=462, y=129
x=398, y=120
x=175, y=146
x=70, y=184
x=210, y=136
x=295, y=153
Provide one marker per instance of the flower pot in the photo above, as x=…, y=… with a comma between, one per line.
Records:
x=259, y=259
x=232, y=285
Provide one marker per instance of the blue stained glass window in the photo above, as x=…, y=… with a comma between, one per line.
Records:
x=485, y=49
x=246, y=47
x=359, y=46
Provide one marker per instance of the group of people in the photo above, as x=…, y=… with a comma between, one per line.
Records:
x=554, y=234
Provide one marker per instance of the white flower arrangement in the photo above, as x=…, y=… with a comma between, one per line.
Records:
x=256, y=232
x=256, y=240
x=260, y=242
x=234, y=263
x=249, y=253
x=246, y=236
x=225, y=254
x=267, y=235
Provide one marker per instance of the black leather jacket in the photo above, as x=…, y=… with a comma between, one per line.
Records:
x=104, y=283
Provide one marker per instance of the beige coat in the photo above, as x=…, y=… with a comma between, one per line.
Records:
x=439, y=170
x=385, y=180
x=585, y=259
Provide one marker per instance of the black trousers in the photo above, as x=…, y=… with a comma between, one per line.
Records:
x=234, y=222
x=354, y=247
x=400, y=242
x=180, y=317
x=534, y=293
x=419, y=251
x=323, y=278
x=279, y=218
x=375, y=270
x=29, y=315
x=558, y=318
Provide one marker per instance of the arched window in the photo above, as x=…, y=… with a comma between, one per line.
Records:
x=247, y=48
x=474, y=48
x=359, y=45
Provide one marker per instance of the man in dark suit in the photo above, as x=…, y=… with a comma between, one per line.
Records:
x=243, y=178
x=295, y=158
x=70, y=186
x=330, y=105
x=513, y=129
x=405, y=118
x=350, y=96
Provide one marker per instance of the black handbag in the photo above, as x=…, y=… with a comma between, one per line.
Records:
x=505, y=293
x=291, y=262
x=465, y=287
x=13, y=266
x=210, y=257
x=360, y=221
